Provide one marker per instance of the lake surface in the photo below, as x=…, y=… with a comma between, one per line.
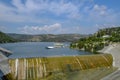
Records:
x=37, y=49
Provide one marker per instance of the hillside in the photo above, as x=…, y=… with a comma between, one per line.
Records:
x=98, y=40
x=5, y=38
x=48, y=37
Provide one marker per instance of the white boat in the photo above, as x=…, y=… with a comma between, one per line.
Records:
x=50, y=47
x=58, y=45
x=55, y=45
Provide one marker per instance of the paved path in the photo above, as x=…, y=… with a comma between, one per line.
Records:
x=115, y=51
x=114, y=76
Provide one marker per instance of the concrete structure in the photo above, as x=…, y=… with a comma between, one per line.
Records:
x=5, y=52
x=4, y=65
x=52, y=68
x=114, y=50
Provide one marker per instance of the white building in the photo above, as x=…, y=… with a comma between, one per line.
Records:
x=105, y=36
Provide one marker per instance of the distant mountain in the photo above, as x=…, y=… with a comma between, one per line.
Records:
x=48, y=37
x=5, y=38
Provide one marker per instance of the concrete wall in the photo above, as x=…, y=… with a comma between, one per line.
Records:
x=4, y=68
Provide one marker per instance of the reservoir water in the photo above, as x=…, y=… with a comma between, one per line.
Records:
x=37, y=49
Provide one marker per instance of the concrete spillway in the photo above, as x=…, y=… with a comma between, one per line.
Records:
x=4, y=65
x=40, y=68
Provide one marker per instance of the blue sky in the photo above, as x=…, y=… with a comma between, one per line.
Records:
x=58, y=16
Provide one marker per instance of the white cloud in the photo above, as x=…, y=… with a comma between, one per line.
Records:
x=7, y=14
x=18, y=4
x=97, y=10
x=101, y=10
x=68, y=12
x=41, y=6
x=101, y=14
x=54, y=28
x=10, y=14
x=65, y=8
x=27, y=12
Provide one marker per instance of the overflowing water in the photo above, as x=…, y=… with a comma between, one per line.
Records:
x=44, y=68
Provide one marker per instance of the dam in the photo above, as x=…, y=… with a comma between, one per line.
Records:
x=47, y=68
x=55, y=68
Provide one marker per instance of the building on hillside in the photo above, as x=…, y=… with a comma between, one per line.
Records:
x=106, y=36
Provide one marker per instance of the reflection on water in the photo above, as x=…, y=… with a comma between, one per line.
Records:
x=37, y=49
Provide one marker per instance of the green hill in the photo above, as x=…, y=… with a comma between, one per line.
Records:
x=47, y=37
x=5, y=38
x=98, y=40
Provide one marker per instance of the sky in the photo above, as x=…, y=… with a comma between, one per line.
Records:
x=58, y=16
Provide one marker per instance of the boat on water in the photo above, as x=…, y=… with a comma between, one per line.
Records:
x=58, y=45
x=55, y=45
x=50, y=47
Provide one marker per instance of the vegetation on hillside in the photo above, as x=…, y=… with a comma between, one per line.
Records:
x=98, y=40
x=5, y=38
